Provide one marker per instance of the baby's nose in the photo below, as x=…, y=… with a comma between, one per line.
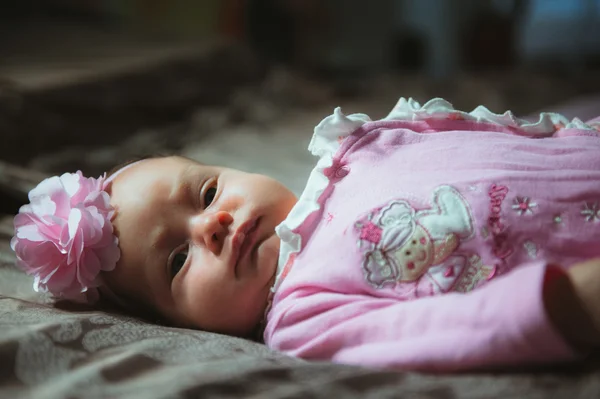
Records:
x=210, y=230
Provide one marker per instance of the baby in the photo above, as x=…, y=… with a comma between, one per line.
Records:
x=433, y=239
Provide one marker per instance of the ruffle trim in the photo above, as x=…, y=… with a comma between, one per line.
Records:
x=547, y=124
x=324, y=144
x=329, y=134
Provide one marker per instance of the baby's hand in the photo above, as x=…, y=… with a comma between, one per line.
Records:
x=586, y=280
x=572, y=301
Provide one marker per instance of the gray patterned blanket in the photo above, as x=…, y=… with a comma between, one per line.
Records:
x=46, y=352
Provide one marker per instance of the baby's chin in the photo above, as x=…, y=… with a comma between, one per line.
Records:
x=267, y=257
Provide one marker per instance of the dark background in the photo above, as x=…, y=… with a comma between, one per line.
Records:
x=85, y=84
x=440, y=38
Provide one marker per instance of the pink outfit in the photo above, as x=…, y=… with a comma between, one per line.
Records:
x=422, y=240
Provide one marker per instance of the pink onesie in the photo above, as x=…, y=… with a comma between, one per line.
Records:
x=422, y=240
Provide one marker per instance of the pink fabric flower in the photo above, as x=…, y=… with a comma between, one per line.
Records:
x=64, y=237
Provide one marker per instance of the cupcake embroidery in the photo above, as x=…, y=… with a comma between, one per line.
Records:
x=402, y=244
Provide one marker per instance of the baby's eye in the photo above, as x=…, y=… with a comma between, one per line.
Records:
x=209, y=196
x=178, y=262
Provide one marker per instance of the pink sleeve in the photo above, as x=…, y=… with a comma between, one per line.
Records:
x=500, y=324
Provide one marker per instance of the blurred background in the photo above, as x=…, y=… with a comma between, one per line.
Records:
x=87, y=84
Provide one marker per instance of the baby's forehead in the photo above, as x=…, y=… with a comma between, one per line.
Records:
x=157, y=163
x=170, y=169
x=148, y=177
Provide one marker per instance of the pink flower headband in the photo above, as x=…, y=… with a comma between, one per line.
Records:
x=64, y=237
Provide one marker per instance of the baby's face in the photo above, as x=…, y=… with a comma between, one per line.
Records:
x=198, y=242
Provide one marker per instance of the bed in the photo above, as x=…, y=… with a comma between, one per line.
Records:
x=51, y=351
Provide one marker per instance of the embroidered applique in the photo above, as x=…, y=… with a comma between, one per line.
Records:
x=523, y=205
x=402, y=244
x=591, y=212
x=501, y=247
x=444, y=276
x=475, y=274
x=497, y=195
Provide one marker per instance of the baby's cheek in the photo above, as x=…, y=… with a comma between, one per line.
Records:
x=192, y=287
